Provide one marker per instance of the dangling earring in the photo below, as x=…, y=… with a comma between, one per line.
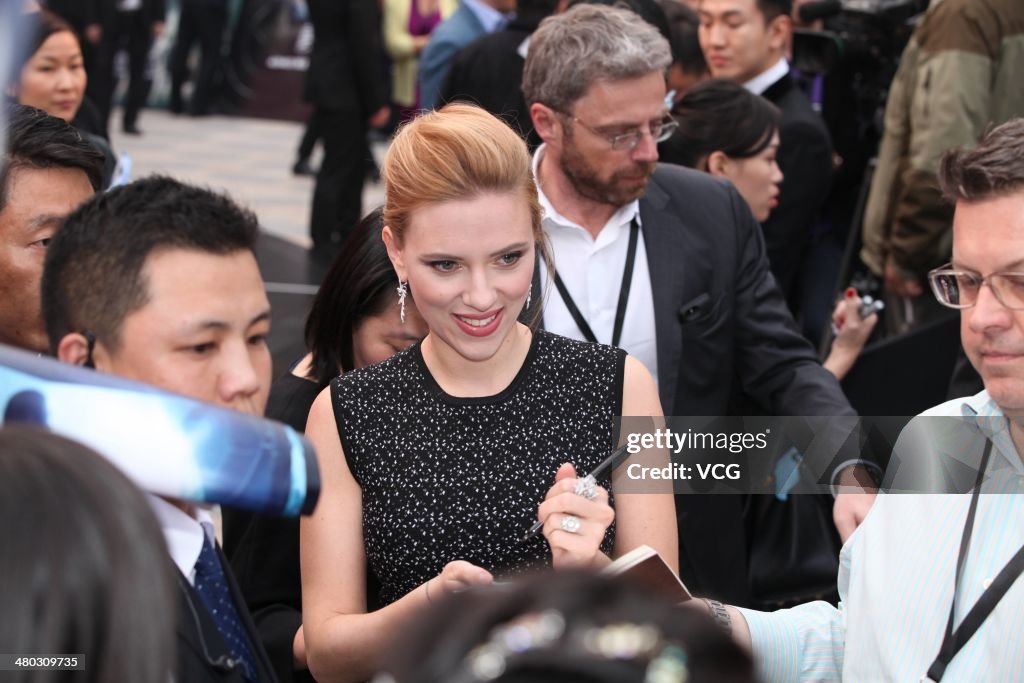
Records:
x=402, y=291
x=529, y=296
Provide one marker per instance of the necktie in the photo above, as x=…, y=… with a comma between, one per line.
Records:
x=213, y=590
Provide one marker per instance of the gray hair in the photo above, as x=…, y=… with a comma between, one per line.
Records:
x=572, y=50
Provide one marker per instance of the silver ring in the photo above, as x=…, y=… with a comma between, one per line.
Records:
x=586, y=487
x=571, y=524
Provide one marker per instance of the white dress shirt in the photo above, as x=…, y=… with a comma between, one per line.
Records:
x=896, y=578
x=183, y=534
x=758, y=84
x=591, y=269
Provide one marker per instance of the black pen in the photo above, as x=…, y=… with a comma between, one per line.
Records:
x=598, y=471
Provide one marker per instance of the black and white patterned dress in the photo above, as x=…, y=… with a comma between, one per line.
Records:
x=446, y=478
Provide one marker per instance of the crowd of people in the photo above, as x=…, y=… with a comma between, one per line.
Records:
x=592, y=210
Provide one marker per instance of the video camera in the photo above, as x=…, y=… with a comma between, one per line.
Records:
x=863, y=37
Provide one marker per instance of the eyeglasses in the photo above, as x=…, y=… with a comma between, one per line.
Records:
x=960, y=288
x=659, y=130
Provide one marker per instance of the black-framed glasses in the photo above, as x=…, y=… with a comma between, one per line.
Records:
x=960, y=288
x=660, y=131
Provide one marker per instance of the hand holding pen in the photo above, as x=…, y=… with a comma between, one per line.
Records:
x=575, y=515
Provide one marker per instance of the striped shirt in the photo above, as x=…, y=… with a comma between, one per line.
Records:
x=896, y=580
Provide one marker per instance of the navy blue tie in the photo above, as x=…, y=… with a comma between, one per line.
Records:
x=212, y=588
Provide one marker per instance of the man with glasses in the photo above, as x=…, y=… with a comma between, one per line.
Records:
x=665, y=262
x=930, y=583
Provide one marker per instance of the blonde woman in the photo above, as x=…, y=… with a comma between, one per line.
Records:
x=436, y=461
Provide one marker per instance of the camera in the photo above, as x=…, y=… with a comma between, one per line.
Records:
x=864, y=39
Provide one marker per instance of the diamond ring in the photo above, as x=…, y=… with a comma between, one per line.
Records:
x=571, y=524
x=586, y=487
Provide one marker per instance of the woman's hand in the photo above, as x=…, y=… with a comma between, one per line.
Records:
x=851, y=332
x=575, y=543
x=456, y=576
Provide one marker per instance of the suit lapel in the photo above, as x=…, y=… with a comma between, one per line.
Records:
x=196, y=631
x=262, y=660
x=199, y=634
x=678, y=262
x=777, y=90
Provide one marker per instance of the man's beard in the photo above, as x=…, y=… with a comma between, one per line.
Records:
x=585, y=181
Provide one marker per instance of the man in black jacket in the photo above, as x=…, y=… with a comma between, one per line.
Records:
x=200, y=22
x=344, y=85
x=157, y=281
x=701, y=309
x=132, y=26
x=745, y=41
x=489, y=71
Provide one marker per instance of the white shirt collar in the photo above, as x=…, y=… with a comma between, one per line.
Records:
x=622, y=216
x=524, y=48
x=758, y=84
x=992, y=422
x=183, y=533
x=491, y=18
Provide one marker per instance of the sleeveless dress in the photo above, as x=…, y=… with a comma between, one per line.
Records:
x=446, y=478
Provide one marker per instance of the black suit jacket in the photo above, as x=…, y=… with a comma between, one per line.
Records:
x=200, y=644
x=725, y=335
x=152, y=10
x=81, y=13
x=344, y=71
x=78, y=13
x=805, y=158
x=724, y=332
x=489, y=72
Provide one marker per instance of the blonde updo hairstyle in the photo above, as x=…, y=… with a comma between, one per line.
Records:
x=457, y=153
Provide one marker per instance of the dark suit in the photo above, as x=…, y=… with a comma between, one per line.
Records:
x=489, y=72
x=450, y=36
x=344, y=85
x=132, y=32
x=264, y=550
x=201, y=22
x=722, y=329
x=201, y=649
x=805, y=158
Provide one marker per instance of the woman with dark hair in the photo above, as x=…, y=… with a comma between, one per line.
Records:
x=84, y=565
x=354, y=322
x=53, y=78
x=688, y=67
x=558, y=628
x=729, y=132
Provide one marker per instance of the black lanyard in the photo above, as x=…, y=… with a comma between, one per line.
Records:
x=620, y=311
x=954, y=641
